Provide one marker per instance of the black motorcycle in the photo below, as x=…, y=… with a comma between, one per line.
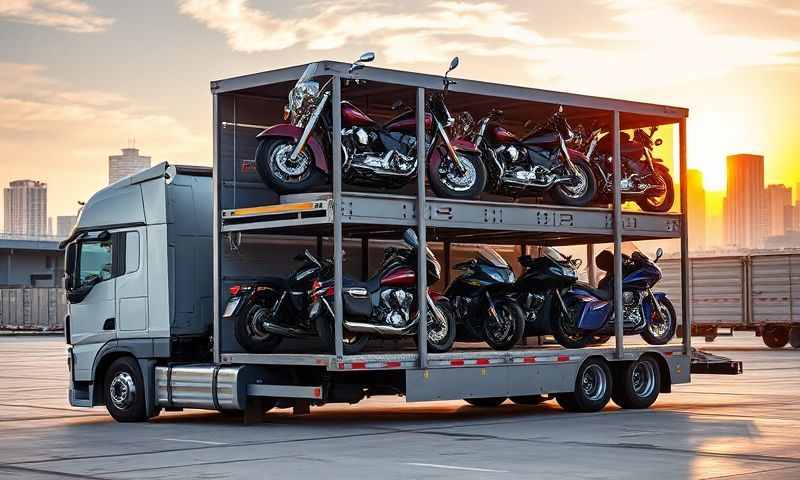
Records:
x=266, y=312
x=540, y=163
x=483, y=303
x=386, y=304
x=645, y=179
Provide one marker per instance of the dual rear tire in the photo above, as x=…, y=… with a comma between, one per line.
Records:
x=636, y=385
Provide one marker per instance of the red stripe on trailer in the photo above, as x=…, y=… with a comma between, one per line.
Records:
x=392, y=364
x=482, y=361
x=529, y=360
x=669, y=354
x=563, y=358
x=317, y=392
x=341, y=365
x=457, y=363
x=358, y=365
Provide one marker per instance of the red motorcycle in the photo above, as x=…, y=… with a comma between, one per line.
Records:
x=386, y=305
x=291, y=157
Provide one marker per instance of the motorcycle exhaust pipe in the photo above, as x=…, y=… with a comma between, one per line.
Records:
x=380, y=329
x=283, y=331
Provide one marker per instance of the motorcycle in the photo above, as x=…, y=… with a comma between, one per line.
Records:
x=644, y=180
x=589, y=311
x=482, y=301
x=266, y=312
x=290, y=157
x=539, y=163
x=386, y=305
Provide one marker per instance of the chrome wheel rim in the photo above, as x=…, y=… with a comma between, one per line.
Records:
x=594, y=382
x=500, y=328
x=257, y=319
x=643, y=379
x=437, y=328
x=122, y=390
x=657, y=201
x=460, y=182
x=291, y=171
x=658, y=328
x=581, y=184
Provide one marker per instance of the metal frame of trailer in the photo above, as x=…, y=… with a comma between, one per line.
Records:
x=370, y=215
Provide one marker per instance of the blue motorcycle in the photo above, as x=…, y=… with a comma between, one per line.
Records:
x=588, y=312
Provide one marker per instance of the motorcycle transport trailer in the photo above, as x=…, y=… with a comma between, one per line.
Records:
x=163, y=363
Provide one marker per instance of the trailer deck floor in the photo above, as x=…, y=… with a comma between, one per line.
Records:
x=732, y=427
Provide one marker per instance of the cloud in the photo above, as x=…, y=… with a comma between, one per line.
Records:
x=69, y=15
x=63, y=135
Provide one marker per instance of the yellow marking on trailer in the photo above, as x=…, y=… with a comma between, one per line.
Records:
x=270, y=209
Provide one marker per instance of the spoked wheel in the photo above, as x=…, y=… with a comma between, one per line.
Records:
x=247, y=327
x=505, y=331
x=660, y=327
x=352, y=342
x=450, y=181
x=441, y=329
x=638, y=385
x=489, y=402
x=663, y=201
x=592, y=388
x=566, y=332
x=579, y=191
x=282, y=173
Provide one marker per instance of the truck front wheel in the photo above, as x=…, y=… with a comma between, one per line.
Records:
x=124, y=391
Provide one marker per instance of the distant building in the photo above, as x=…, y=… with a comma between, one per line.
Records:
x=697, y=210
x=25, y=207
x=744, y=201
x=777, y=197
x=130, y=162
x=64, y=224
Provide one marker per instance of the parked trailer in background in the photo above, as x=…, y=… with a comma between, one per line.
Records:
x=758, y=292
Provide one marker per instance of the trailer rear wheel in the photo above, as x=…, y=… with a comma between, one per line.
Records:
x=529, y=399
x=125, y=395
x=775, y=336
x=638, y=384
x=592, y=388
x=794, y=337
x=489, y=402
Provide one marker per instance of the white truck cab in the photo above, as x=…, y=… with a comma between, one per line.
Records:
x=139, y=286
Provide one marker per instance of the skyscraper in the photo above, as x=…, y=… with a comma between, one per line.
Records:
x=777, y=197
x=744, y=201
x=130, y=162
x=25, y=207
x=697, y=210
x=64, y=224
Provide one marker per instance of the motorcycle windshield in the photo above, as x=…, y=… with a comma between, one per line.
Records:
x=554, y=255
x=308, y=73
x=490, y=256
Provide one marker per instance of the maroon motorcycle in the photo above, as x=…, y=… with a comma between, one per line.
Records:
x=291, y=157
x=386, y=305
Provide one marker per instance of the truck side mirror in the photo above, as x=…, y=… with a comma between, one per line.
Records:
x=69, y=265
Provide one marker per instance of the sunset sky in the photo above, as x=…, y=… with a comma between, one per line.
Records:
x=81, y=78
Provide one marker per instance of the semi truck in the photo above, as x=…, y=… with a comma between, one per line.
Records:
x=152, y=259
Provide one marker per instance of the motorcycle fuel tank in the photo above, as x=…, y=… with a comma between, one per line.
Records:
x=407, y=123
x=501, y=135
x=400, y=277
x=351, y=115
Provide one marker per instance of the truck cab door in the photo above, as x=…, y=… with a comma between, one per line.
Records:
x=131, y=286
x=91, y=297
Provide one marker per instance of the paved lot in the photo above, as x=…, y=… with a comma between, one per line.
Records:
x=743, y=427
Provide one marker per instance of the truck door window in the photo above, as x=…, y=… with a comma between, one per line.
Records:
x=95, y=263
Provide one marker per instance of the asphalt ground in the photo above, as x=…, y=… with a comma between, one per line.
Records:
x=731, y=427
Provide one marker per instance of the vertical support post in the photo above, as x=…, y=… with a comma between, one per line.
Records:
x=617, y=216
x=338, y=308
x=364, y=258
x=217, y=241
x=590, y=267
x=422, y=261
x=446, y=248
x=319, y=246
x=685, y=296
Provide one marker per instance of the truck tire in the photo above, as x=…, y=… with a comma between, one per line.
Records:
x=794, y=337
x=593, y=386
x=775, y=336
x=529, y=399
x=638, y=384
x=489, y=402
x=124, y=391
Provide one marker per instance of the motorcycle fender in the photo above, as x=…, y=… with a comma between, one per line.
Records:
x=573, y=154
x=286, y=130
x=593, y=314
x=461, y=145
x=436, y=296
x=438, y=154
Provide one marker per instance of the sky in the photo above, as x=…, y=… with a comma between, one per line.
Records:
x=80, y=79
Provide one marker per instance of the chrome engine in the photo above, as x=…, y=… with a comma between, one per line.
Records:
x=359, y=141
x=631, y=308
x=395, y=307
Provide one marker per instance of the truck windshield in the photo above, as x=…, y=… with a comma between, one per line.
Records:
x=95, y=262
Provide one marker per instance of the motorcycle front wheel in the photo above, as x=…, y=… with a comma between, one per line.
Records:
x=507, y=330
x=441, y=335
x=661, y=203
x=581, y=191
x=658, y=331
x=281, y=173
x=448, y=181
x=566, y=333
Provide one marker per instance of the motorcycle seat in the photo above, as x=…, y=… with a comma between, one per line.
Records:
x=601, y=293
